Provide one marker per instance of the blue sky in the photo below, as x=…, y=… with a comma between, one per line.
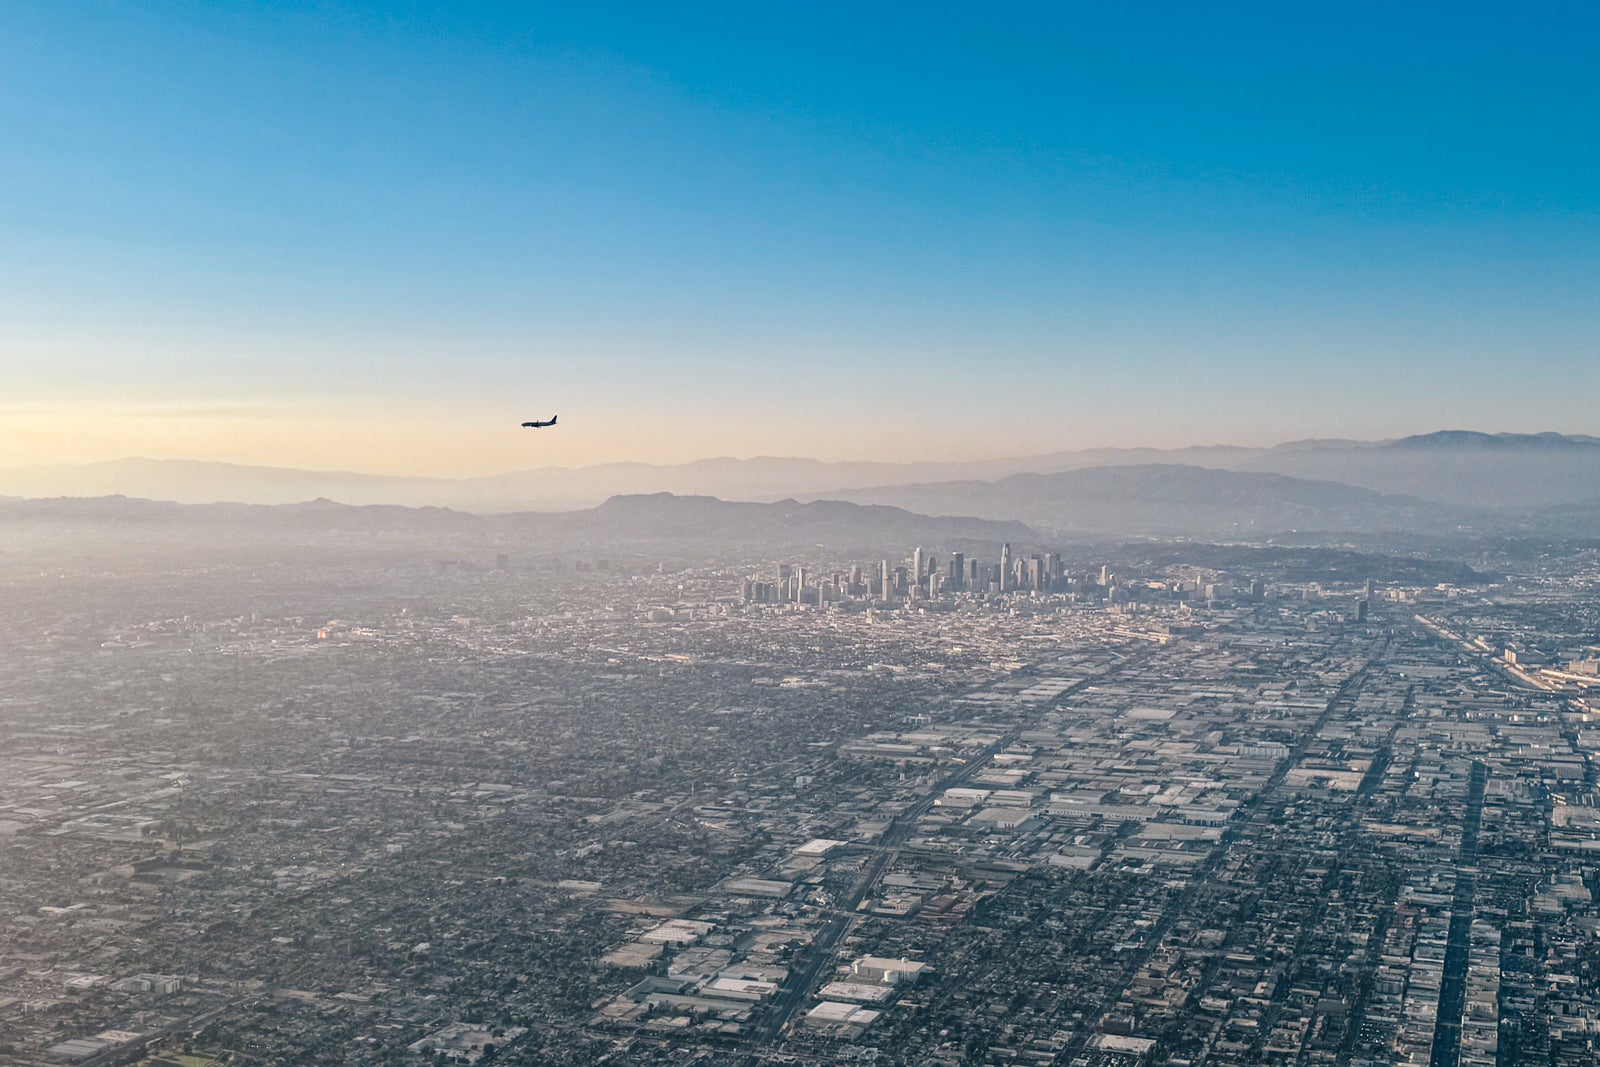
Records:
x=373, y=235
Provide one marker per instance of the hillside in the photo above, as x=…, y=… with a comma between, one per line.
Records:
x=658, y=521
x=1171, y=501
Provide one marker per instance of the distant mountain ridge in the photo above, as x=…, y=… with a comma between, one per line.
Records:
x=660, y=519
x=1170, y=500
x=1156, y=501
x=1454, y=468
x=1458, y=468
x=763, y=478
x=1475, y=439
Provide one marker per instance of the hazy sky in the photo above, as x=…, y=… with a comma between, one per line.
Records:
x=379, y=236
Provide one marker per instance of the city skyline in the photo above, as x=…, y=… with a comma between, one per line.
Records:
x=348, y=238
x=279, y=795
x=747, y=536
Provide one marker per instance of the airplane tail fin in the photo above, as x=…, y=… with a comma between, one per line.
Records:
x=553, y=419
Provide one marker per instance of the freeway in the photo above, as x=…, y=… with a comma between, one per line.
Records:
x=1457, y=954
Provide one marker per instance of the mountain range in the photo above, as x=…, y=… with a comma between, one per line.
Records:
x=1168, y=500
x=1434, y=484
x=1454, y=468
x=650, y=522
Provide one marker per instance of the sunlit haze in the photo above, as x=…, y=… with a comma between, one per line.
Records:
x=759, y=535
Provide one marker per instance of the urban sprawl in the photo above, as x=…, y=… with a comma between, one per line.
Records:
x=928, y=809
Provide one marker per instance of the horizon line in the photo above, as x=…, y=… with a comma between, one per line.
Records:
x=759, y=457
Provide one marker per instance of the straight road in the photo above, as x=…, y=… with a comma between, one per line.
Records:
x=820, y=954
x=1253, y=810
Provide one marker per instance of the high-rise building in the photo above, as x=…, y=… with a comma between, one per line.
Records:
x=886, y=586
x=1005, y=566
x=799, y=585
x=917, y=570
x=958, y=570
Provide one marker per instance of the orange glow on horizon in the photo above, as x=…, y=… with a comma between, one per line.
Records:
x=456, y=445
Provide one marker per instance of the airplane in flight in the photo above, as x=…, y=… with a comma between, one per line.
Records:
x=540, y=425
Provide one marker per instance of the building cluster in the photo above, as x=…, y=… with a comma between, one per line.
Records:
x=923, y=581
x=1041, y=811
x=922, y=576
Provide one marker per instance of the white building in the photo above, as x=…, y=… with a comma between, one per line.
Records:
x=887, y=971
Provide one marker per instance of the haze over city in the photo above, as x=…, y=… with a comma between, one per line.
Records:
x=734, y=535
